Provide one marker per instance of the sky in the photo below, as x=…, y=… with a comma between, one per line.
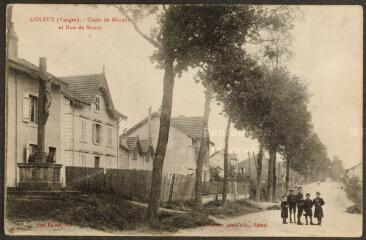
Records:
x=327, y=56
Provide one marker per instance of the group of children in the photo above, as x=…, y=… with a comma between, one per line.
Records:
x=304, y=206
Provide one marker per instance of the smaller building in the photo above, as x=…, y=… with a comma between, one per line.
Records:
x=138, y=142
x=355, y=171
x=217, y=164
x=136, y=153
x=248, y=169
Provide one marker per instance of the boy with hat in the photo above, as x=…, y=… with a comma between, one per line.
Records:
x=308, y=205
x=291, y=201
x=300, y=204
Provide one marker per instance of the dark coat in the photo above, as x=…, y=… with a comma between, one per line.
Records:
x=318, y=203
x=284, y=209
x=308, y=205
x=300, y=200
x=291, y=200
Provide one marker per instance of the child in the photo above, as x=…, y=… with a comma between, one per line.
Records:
x=318, y=212
x=308, y=205
x=284, y=209
x=299, y=204
x=291, y=200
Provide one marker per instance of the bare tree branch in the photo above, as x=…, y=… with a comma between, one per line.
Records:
x=134, y=24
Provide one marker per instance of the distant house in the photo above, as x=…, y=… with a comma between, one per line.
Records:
x=355, y=171
x=182, y=149
x=216, y=172
x=82, y=127
x=217, y=162
x=248, y=168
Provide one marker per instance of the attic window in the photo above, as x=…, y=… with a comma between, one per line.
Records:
x=97, y=103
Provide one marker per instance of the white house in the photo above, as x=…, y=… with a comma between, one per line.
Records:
x=82, y=128
x=182, y=149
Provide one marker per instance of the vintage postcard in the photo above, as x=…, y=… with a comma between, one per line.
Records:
x=184, y=120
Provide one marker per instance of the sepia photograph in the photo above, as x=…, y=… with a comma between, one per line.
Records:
x=201, y=120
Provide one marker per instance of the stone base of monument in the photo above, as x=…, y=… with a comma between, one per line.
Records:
x=39, y=176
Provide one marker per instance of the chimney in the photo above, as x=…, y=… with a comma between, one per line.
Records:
x=124, y=131
x=149, y=123
x=11, y=35
x=43, y=64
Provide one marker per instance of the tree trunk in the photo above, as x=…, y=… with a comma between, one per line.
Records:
x=226, y=163
x=274, y=193
x=166, y=109
x=272, y=155
x=201, y=158
x=259, y=174
x=287, y=175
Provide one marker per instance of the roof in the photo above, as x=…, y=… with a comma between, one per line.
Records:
x=232, y=156
x=191, y=126
x=132, y=143
x=81, y=88
x=27, y=67
x=357, y=165
x=85, y=87
x=215, y=166
x=145, y=144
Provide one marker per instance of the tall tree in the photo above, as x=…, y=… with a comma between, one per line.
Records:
x=311, y=158
x=186, y=36
x=336, y=169
x=259, y=160
x=202, y=153
x=226, y=163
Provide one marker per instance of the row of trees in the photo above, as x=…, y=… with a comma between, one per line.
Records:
x=257, y=92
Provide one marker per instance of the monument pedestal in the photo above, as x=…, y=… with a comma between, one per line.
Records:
x=39, y=176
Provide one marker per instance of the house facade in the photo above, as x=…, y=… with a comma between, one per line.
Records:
x=182, y=149
x=82, y=127
x=217, y=163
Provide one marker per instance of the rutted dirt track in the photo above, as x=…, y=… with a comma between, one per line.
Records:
x=336, y=223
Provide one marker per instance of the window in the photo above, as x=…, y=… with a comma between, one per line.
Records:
x=83, y=130
x=97, y=103
x=97, y=162
x=134, y=155
x=33, y=109
x=196, y=149
x=30, y=107
x=109, y=136
x=51, y=158
x=97, y=133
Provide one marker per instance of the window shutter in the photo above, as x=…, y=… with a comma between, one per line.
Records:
x=101, y=134
x=26, y=107
x=109, y=136
x=94, y=132
x=83, y=129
